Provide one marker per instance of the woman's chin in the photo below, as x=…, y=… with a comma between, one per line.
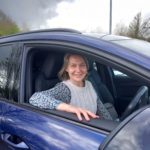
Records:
x=79, y=79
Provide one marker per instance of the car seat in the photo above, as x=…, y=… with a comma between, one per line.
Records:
x=47, y=76
x=102, y=90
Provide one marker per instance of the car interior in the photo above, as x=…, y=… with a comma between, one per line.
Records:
x=121, y=93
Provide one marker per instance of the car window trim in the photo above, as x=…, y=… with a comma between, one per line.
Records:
x=105, y=57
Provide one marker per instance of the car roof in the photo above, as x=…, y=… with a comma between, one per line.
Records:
x=104, y=42
x=107, y=37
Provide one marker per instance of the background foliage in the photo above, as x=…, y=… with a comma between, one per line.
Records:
x=7, y=26
x=138, y=28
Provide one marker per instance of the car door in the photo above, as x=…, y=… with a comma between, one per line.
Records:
x=23, y=128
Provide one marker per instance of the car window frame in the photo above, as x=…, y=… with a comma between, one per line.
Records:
x=102, y=125
x=79, y=49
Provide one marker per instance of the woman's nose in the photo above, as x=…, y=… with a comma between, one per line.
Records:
x=78, y=68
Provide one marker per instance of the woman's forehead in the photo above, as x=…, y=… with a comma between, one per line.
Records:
x=74, y=57
x=77, y=61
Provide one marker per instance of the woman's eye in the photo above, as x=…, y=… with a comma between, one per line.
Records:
x=83, y=65
x=73, y=66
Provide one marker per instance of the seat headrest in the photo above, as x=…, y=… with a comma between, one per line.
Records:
x=92, y=72
x=52, y=65
x=90, y=63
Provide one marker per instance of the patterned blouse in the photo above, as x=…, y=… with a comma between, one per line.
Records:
x=51, y=98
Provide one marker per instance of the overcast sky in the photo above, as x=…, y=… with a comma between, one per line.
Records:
x=84, y=15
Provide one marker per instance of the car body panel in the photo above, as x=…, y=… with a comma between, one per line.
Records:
x=48, y=132
x=132, y=134
x=99, y=44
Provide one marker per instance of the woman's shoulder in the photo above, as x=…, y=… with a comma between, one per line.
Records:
x=61, y=85
x=88, y=83
x=61, y=88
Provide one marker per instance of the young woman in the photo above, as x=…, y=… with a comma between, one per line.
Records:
x=74, y=94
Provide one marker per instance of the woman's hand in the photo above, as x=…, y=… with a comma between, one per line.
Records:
x=76, y=110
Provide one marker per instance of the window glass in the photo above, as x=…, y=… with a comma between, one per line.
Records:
x=14, y=72
x=5, y=52
x=119, y=73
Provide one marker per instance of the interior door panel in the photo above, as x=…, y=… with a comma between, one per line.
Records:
x=126, y=88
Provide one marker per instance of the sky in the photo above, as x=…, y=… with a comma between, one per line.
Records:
x=83, y=15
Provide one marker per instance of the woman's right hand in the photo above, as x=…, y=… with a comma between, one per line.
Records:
x=76, y=110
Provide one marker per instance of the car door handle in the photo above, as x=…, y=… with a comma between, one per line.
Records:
x=14, y=141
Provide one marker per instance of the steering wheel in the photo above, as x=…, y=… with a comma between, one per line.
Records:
x=141, y=97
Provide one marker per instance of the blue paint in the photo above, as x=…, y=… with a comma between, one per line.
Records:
x=99, y=44
x=41, y=132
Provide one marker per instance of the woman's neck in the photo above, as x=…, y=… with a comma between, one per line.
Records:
x=79, y=84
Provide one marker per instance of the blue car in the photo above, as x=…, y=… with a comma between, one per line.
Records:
x=119, y=69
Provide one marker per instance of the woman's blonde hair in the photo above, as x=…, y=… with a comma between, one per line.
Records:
x=63, y=74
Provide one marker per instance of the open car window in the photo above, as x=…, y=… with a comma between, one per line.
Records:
x=42, y=74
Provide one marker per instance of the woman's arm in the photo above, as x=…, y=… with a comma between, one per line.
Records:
x=59, y=98
x=51, y=98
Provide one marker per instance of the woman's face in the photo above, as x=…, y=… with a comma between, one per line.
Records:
x=77, y=69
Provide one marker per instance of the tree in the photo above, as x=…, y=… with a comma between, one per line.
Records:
x=135, y=27
x=121, y=29
x=7, y=26
x=146, y=29
x=138, y=28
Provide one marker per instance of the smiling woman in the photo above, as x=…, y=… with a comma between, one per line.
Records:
x=79, y=96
